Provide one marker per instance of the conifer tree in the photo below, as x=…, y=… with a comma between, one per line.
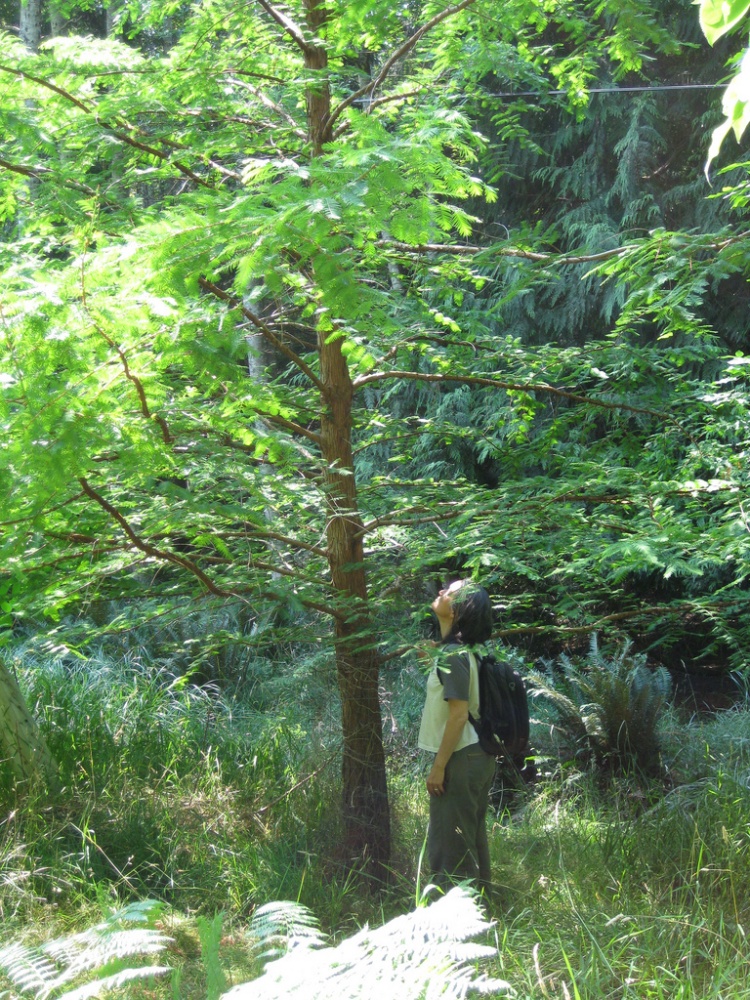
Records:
x=318, y=179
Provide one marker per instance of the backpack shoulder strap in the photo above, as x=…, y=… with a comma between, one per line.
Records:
x=475, y=661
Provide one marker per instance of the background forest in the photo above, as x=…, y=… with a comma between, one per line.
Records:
x=307, y=308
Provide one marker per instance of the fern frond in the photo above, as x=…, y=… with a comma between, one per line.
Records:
x=567, y=709
x=540, y=687
x=280, y=926
x=106, y=950
x=427, y=953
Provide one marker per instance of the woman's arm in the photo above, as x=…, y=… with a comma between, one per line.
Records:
x=458, y=716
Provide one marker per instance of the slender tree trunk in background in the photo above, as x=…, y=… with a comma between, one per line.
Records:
x=111, y=16
x=58, y=22
x=31, y=24
x=21, y=743
x=30, y=30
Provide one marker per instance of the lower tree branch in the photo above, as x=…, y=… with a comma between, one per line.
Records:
x=152, y=550
x=263, y=328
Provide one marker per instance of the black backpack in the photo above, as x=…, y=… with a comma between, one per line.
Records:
x=503, y=726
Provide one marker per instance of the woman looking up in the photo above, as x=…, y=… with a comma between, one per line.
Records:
x=461, y=774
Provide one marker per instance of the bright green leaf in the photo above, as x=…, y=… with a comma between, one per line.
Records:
x=717, y=17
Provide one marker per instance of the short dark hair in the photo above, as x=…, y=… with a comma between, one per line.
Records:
x=472, y=622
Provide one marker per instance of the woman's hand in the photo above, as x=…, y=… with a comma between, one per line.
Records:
x=436, y=780
x=458, y=716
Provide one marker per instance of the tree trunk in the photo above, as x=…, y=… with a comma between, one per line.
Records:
x=367, y=824
x=111, y=16
x=31, y=24
x=21, y=742
x=365, y=793
x=319, y=92
x=58, y=22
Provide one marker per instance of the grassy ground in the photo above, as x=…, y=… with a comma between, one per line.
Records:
x=213, y=801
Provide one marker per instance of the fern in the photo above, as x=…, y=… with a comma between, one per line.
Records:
x=105, y=957
x=281, y=926
x=607, y=708
x=427, y=953
x=209, y=932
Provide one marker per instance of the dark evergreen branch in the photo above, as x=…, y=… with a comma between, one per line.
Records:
x=274, y=568
x=253, y=532
x=288, y=325
x=617, y=616
x=512, y=387
x=400, y=52
x=258, y=76
x=562, y=630
x=397, y=437
x=420, y=338
x=469, y=250
x=79, y=539
x=152, y=550
x=419, y=426
x=262, y=328
x=289, y=425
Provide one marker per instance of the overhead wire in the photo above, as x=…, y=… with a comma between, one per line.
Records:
x=644, y=88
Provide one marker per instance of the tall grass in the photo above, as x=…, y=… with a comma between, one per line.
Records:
x=199, y=795
x=631, y=889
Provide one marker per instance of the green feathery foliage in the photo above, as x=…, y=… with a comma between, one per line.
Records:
x=234, y=246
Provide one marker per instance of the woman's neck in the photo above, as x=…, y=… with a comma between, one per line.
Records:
x=445, y=627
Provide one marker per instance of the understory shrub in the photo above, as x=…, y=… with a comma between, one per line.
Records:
x=604, y=708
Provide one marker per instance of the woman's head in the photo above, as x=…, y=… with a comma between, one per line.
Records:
x=465, y=612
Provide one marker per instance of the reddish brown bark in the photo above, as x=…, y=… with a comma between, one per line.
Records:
x=365, y=795
x=319, y=91
x=367, y=838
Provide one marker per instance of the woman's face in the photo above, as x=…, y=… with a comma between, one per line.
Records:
x=443, y=603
